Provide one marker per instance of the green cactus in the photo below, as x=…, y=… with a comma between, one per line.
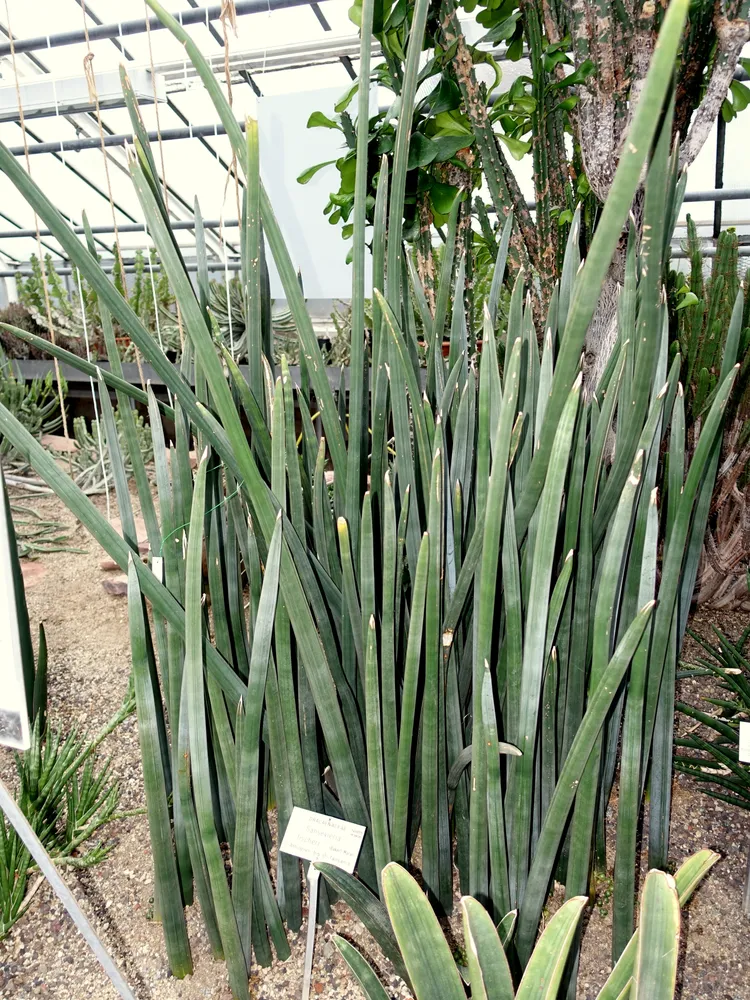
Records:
x=35, y=404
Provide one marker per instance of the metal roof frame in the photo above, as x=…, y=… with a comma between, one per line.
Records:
x=198, y=15
x=297, y=55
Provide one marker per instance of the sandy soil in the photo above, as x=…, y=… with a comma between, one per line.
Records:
x=44, y=957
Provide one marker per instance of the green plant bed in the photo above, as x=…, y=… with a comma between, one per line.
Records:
x=463, y=614
x=67, y=795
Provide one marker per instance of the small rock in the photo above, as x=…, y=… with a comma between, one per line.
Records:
x=116, y=586
x=110, y=566
x=32, y=572
x=57, y=442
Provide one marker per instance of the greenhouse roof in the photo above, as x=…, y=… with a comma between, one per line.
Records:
x=283, y=56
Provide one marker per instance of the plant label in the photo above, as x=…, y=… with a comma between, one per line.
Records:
x=157, y=568
x=14, y=714
x=316, y=837
x=744, y=752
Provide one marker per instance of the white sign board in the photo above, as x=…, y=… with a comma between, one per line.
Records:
x=287, y=149
x=316, y=837
x=744, y=753
x=14, y=719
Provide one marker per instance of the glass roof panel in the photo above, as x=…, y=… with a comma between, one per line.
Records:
x=281, y=52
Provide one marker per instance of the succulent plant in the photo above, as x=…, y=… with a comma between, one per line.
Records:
x=455, y=563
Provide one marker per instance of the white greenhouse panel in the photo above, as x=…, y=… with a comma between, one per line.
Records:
x=287, y=148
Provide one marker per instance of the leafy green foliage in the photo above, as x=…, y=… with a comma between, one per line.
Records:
x=713, y=759
x=63, y=791
x=442, y=150
x=459, y=570
x=68, y=799
x=35, y=404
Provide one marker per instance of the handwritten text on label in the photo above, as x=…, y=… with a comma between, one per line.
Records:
x=316, y=837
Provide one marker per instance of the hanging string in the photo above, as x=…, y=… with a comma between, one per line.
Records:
x=156, y=316
x=265, y=46
x=93, y=395
x=91, y=79
x=40, y=252
x=226, y=281
x=57, y=107
x=228, y=17
x=156, y=107
x=163, y=168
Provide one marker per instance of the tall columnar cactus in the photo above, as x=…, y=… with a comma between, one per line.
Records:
x=701, y=338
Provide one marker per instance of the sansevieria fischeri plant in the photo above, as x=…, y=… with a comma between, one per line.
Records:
x=646, y=970
x=449, y=645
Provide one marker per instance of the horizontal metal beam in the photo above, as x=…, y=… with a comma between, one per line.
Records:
x=714, y=194
x=108, y=266
x=24, y=271
x=718, y=194
x=275, y=58
x=199, y=15
x=129, y=227
x=95, y=142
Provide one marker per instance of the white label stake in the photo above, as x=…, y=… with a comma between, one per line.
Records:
x=744, y=751
x=316, y=837
x=14, y=716
x=313, y=877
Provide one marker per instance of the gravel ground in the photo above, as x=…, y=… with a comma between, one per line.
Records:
x=44, y=957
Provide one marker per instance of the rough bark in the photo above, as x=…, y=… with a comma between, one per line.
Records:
x=424, y=255
x=731, y=36
x=622, y=54
x=722, y=573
